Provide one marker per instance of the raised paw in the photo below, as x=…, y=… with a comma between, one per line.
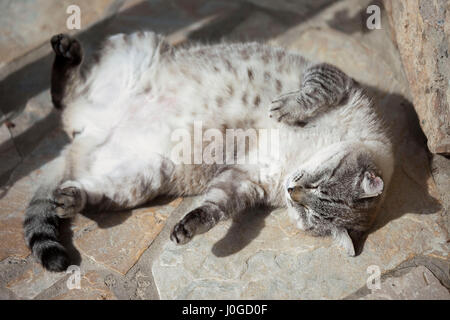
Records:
x=67, y=47
x=69, y=199
x=288, y=109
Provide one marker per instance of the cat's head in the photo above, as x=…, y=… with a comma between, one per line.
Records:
x=336, y=193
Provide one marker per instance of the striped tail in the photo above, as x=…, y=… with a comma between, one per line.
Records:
x=41, y=226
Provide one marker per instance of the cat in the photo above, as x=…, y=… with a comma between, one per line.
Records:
x=334, y=158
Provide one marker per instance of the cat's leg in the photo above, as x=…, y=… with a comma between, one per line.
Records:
x=68, y=58
x=323, y=86
x=129, y=184
x=229, y=193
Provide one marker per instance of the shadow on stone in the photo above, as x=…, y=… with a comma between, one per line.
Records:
x=104, y=219
x=224, y=26
x=243, y=230
x=66, y=238
x=409, y=189
x=50, y=148
x=357, y=23
x=107, y=218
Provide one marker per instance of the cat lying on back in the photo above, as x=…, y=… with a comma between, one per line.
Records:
x=334, y=160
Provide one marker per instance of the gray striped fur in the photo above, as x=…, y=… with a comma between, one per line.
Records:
x=335, y=155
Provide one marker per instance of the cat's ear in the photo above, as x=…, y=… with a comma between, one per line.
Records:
x=343, y=239
x=372, y=185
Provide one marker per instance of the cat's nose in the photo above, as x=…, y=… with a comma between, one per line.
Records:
x=293, y=188
x=295, y=192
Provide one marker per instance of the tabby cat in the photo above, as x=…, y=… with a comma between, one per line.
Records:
x=332, y=164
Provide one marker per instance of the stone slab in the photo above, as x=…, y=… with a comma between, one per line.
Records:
x=92, y=287
x=118, y=239
x=33, y=281
x=418, y=284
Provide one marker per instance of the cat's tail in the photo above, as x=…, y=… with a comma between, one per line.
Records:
x=41, y=227
x=41, y=224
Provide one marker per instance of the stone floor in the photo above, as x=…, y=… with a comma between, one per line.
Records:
x=128, y=255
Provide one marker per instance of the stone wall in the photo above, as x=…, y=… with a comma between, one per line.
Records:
x=421, y=30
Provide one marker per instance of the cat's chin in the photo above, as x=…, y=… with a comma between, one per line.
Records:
x=295, y=217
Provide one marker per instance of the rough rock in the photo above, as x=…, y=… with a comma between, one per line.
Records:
x=418, y=284
x=123, y=236
x=32, y=282
x=92, y=287
x=422, y=30
x=440, y=167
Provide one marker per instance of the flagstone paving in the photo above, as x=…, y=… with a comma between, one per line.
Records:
x=128, y=255
x=418, y=284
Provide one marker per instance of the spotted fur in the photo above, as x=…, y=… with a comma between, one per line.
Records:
x=332, y=169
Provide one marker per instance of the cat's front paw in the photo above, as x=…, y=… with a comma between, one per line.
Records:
x=69, y=199
x=197, y=221
x=181, y=233
x=287, y=109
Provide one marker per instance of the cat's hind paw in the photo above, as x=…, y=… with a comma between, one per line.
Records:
x=69, y=199
x=67, y=47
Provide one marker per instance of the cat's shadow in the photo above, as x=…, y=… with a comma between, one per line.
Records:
x=243, y=230
x=411, y=183
x=103, y=220
x=111, y=218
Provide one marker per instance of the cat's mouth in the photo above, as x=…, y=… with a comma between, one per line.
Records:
x=299, y=206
